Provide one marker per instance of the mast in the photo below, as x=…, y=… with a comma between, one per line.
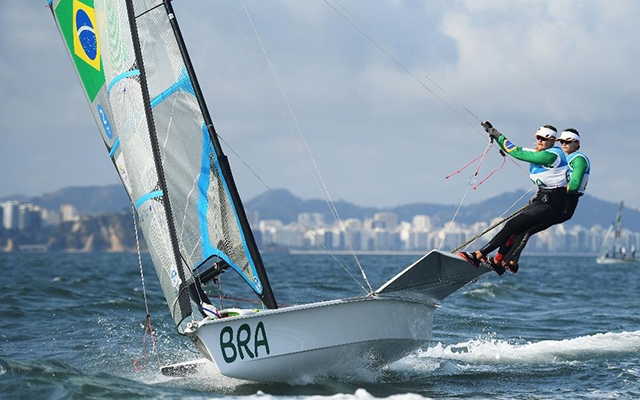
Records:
x=618, y=230
x=183, y=295
x=267, y=295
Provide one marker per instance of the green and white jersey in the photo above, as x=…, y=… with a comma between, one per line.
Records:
x=548, y=168
x=579, y=171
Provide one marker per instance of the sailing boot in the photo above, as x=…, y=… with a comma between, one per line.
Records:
x=471, y=258
x=513, y=257
x=497, y=263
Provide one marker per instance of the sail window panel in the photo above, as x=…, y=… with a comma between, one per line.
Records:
x=142, y=6
x=181, y=143
x=223, y=228
x=164, y=66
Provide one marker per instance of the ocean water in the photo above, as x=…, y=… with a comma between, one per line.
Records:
x=72, y=326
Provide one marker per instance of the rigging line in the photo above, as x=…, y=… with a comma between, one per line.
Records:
x=148, y=328
x=468, y=242
x=493, y=226
x=220, y=292
x=370, y=39
x=472, y=181
x=481, y=157
x=453, y=98
x=144, y=289
x=308, y=229
x=285, y=119
x=456, y=172
x=477, y=131
x=317, y=175
x=491, y=173
x=196, y=281
x=455, y=215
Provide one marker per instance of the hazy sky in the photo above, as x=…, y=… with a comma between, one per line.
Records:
x=380, y=132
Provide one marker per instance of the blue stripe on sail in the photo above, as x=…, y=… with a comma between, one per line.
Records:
x=203, y=199
x=203, y=204
x=124, y=75
x=185, y=82
x=116, y=144
x=148, y=196
x=182, y=84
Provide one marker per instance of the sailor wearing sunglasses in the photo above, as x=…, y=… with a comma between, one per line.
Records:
x=548, y=169
x=579, y=171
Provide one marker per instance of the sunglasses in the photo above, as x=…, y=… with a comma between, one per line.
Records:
x=563, y=142
x=542, y=138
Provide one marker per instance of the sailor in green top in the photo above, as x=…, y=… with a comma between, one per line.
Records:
x=548, y=169
x=579, y=171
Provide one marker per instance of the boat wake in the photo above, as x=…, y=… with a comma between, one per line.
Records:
x=497, y=351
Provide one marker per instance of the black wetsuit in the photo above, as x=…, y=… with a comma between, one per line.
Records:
x=521, y=240
x=580, y=169
x=545, y=210
x=548, y=169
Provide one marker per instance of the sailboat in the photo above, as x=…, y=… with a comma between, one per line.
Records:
x=612, y=251
x=142, y=90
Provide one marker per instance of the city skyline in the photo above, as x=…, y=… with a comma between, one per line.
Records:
x=383, y=231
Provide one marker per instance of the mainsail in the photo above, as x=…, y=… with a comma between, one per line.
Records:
x=137, y=77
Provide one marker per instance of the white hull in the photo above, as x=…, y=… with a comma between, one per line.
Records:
x=294, y=343
x=332, y=338
x=616, y=260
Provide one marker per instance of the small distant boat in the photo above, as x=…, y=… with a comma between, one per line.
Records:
x=612, y=251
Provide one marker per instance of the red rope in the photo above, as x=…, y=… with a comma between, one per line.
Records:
x=148, y=330
x=491, y=173
x=466, y=165
x=481, y=157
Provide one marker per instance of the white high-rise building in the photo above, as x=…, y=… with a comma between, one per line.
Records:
x=311, y=220
x=69, y=212
x=421, y=223
x=385, y=220
x=10, y=214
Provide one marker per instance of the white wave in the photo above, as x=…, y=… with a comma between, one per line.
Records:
x=359, y=394
x=498, y=351
x=483, y=288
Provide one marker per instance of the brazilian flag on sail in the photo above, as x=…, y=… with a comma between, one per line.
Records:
x=77, y=19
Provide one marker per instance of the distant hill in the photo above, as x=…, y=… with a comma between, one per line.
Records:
x=91, y=200
x=281, y=204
